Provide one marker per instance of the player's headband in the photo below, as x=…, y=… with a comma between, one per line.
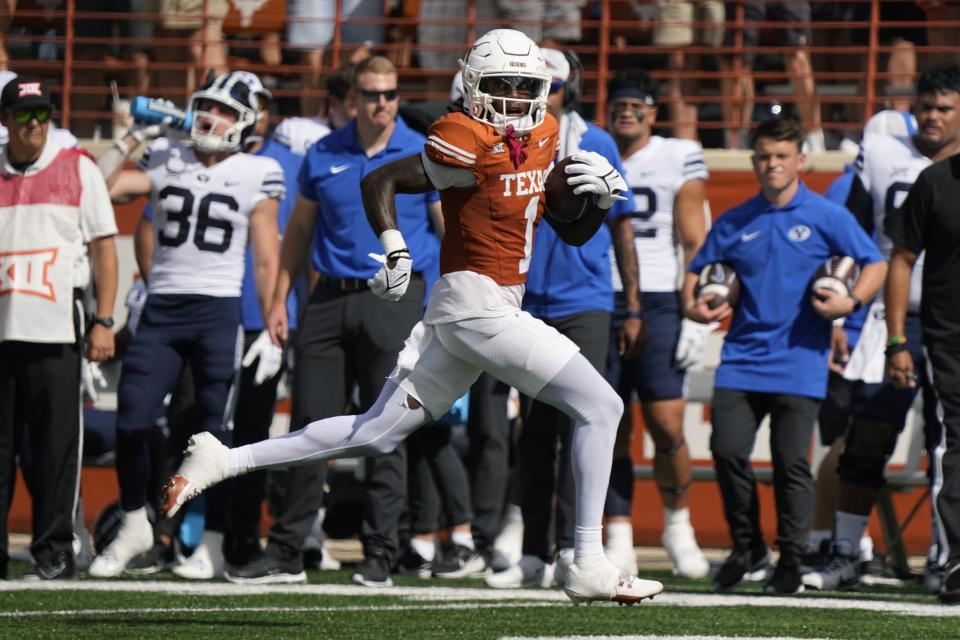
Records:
x=632, y=92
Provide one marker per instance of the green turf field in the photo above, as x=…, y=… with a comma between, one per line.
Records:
x=329, y=607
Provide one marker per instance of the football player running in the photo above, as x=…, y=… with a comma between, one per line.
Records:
x=488, y=162
x=207, y=197
x=885, y=170
x=668, y=178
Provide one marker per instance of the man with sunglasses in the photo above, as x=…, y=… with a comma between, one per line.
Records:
x=347, y=335
x=53, y=206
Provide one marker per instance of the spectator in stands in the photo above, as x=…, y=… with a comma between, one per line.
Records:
x=569, y=288
x=774, y=358
x=7, y=10
x=299, y=133
x=554, y=20
x=441, y=45
x=200, y=22
x=668, y=178
x=311, y=29
x=43, y=331
x=738, y=92
x=675, y=29
x=347, y=334
x=941, y=10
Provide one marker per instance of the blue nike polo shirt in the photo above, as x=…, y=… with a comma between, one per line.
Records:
x=777, y=343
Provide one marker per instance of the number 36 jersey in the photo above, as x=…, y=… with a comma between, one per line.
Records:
x=655, y=174
x=202, y=217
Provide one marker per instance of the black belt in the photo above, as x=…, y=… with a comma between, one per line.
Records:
x=352, y=284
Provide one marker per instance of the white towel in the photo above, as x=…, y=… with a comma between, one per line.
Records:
x=868, y=358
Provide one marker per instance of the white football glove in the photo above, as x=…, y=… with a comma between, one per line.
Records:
x=136, y=298
x=391, y=284
x=693, y=340
x=269, y=354
x=144, y=132
x=91, y=377
x=592, y=173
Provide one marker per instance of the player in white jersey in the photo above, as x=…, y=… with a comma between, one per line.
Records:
x=207, y=198
x=668, y=179
x=299, y=133
x=884, y=172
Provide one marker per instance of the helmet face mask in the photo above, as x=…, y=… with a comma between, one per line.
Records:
x=239, y=93
x=505, y=81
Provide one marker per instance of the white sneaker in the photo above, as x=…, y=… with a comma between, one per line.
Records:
x=134, y=537
x=510, y=540
x=562, y=564
x=206, y=561
x=206, y=462
x=681, y=545
x=327, y=561
x=601, y=580
x=530, y=573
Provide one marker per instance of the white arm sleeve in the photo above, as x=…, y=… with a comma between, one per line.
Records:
x=444, y=177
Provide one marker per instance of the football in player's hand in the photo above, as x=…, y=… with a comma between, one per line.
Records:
x=718, y=279
x=561, y=203
x=837, y=273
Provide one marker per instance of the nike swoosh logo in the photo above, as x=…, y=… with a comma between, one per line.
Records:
x=339, y=169
x=397, y=283
x=747, y=237
x=543, y=141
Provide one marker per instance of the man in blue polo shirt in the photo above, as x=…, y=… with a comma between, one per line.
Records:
x=347, y=334
x=570, y=288
x=774, y=358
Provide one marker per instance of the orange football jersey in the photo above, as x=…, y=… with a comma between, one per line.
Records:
x=489, y=227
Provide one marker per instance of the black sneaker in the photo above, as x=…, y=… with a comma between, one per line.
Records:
x=839, y=572
x=786, y=579
x=267, y=569
x=743, y=566
x=413, y=564
x=159, y=558
x=374, y=572
x=950, y=585
x=462, y=562
x=59, y=566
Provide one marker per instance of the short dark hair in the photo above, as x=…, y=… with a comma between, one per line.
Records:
x=339, y=81
x=636, y=79
x=780, y=129
x=939, y=79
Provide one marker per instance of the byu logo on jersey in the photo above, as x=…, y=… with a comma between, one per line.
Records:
x=798, y=233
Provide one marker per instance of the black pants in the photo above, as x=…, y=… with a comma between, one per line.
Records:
x=251, y=423
x=488, y=461
x=40, y=404
x=736, y=418
x=546, y=468
x=944, y=359
x=437, y=478
x=346, y=338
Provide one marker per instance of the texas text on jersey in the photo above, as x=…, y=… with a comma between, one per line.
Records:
x=202, y=216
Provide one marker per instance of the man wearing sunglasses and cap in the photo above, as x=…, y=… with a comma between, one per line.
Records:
x=53, y=204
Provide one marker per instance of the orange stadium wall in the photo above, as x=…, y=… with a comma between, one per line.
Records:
x=726, y=189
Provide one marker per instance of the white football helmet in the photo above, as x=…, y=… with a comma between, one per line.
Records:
x=499, y=62
x=241, y=92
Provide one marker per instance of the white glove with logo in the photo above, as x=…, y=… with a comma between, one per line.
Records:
x=693, y=340
x=391, y=284
x=269, y=354
x=136, y=298
x=91, y=377
x=592, y=173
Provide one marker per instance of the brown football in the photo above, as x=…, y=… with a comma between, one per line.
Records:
x=837, y=273
x=561, y=204
x=719, y=280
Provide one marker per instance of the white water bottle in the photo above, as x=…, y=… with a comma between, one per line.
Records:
x=151, y=111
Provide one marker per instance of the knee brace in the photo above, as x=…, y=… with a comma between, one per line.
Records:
x=866, y=450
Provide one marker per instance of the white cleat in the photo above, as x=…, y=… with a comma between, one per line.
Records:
x=602, y=581
x=327, y=561
x=562, y=566
x=510, y=541
x=206, y=462
x=530, y=573
x=134, y=537
x=681, y=545
x=206, y=561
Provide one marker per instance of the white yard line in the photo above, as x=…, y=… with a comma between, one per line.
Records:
x=648, y=638
x=505, y=598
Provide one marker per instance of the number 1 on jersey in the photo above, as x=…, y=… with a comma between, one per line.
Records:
x=530, y=215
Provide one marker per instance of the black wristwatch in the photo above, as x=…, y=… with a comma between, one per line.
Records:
x=107, y=322
x=857, y=303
